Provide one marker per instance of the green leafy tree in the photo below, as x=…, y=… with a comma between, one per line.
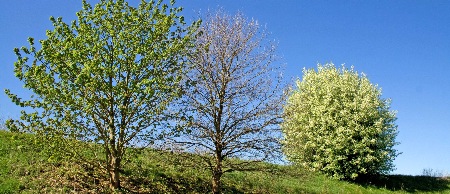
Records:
x=105, y=78
x=336, y=122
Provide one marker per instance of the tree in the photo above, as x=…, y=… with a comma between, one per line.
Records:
x=107, y=78
x=234, y=107
x=336, y=122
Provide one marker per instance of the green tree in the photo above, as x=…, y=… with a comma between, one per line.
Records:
x=105, y=78
x=336, y=122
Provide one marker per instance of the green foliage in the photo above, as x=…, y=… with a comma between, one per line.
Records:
x=18, y=159
x=336, y=122
x=26, y=170
x=107, y=77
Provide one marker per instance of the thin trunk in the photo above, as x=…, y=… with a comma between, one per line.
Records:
x=114, y=173
x=216, y=186
x=115, y=153
x=114, y=160
x=217, y=174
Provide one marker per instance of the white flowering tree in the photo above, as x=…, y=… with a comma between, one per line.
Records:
x=336, y=122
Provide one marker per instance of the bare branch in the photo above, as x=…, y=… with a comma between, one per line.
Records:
x=235, y=106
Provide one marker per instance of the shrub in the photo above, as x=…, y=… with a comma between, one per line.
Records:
x=336, y=122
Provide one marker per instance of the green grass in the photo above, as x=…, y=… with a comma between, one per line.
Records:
x=24, y=168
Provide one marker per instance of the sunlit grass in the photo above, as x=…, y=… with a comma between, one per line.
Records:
x=24, y=169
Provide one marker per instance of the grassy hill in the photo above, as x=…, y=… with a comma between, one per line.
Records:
x=24, y=168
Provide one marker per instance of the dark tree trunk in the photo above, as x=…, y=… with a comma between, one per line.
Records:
x=216, y=185
x=217, y=174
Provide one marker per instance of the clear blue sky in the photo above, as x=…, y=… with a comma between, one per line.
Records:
x=404, y=46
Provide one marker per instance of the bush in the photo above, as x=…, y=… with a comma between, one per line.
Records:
x=336, y=122
x=432, y=173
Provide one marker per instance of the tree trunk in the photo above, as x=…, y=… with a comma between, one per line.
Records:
x=114, y=153
x=216, y=186
x=114, y=173
x=217, y=174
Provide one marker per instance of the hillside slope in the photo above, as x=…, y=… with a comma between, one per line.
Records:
x=24, y=168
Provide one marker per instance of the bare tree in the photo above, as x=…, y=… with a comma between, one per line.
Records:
x=236, y=102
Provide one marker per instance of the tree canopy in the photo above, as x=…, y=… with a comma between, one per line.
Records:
x=107, y=77
x=337, y=122
x=236, y=103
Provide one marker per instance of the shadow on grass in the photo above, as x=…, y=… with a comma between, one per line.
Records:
x=168, y=184
x=407, y=183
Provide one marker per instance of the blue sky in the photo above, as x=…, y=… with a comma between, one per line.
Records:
x=403, y=46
